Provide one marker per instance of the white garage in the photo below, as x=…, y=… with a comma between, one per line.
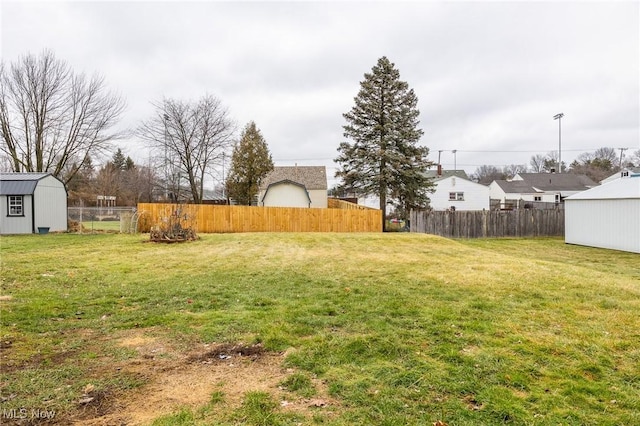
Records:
x=607, y=216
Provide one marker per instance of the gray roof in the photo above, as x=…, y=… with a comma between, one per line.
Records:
x=515, y=187
x=627, y=187
x=20, y=183
x=558, y=181
x=312, y=177
x=446, y=173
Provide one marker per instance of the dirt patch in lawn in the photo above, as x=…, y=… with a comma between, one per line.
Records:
x=175, y=380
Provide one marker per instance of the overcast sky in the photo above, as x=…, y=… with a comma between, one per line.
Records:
x=489, y=76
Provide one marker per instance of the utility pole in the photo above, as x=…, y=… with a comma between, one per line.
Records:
x=622, y=150
x=223, y=181
x=454, y=160
x=559, y=118
x=166, y=157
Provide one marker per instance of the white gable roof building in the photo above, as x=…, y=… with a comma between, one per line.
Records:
x=454, y=191
x=294, y=186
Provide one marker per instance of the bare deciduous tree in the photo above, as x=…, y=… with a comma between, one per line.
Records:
x=192, y=137
x=487, y=174
x=537, y=163
x=51, y=117
x=597, y=165
x=634, y=159
x=513, y=169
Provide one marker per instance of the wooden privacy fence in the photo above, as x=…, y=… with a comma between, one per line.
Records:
x=335, y=203
x=228, y=219
x=485, y=223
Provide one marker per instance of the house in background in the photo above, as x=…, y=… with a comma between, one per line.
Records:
x=629, y=171
x=294, y=186
x=32, y=202
x=455, y=191
x=538, y=187
x=607, y=216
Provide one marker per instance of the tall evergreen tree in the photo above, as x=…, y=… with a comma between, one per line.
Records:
x=250, y=163
x=118, y=160
x=384, y=158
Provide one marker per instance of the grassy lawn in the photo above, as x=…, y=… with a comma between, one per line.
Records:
x=340, y=329
x=101, y=225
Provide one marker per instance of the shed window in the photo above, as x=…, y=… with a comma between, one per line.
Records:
x=456, y=196
x=15, y=205
x=537, y=198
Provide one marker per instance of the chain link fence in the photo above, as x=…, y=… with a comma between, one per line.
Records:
x=102, y=219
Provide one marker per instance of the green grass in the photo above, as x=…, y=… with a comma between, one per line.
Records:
x=101, y=225
x=402, y=328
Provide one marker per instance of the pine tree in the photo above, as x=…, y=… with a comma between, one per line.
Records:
x=118, y=160
x=250, y=163
x=384, y=158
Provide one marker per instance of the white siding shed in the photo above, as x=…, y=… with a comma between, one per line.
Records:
x=294, y=186
x=286, y=194
x=32, y=203
x=607, y=216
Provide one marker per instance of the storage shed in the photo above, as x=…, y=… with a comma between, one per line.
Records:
x=607, y=216
x=32, y=203
x=294, y=186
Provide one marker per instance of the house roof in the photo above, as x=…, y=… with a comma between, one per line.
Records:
x=446, y=173
x=627, y=187
x=312, y=177
x=20, y=183
x=515, y=187
x=558, y=181
x=616, y=175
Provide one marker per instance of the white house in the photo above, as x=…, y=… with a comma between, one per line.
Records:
x=453, y=189
x=607, y=216
x=32, y=202
x=539, y=187
x=294, y=186
x=629, y=171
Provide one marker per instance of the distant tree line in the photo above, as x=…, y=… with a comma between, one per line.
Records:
x=597, y=165
x=119, y=177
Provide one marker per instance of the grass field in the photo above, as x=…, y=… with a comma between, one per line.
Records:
x=105, y=225
x=339, y=329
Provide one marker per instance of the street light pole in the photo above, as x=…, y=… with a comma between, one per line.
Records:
x=559, y=118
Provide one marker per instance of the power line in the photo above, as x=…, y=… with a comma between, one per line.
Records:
x=514, y=151
x=477, y=151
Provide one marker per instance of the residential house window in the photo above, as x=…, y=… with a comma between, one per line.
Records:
x=15, y=205
x=456, y=196
x=537, y=198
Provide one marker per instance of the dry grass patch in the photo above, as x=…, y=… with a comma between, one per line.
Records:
x=175, y=381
